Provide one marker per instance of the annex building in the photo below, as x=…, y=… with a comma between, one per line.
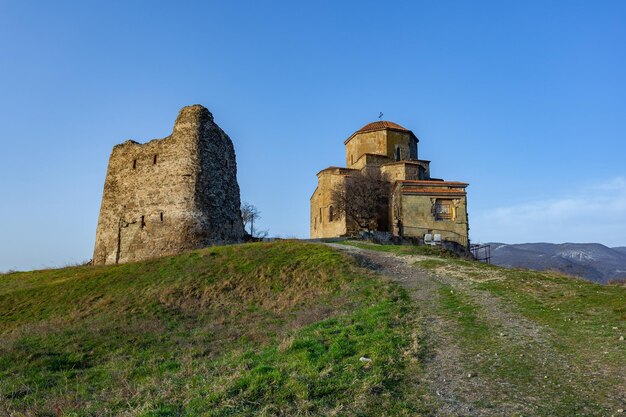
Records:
x=419, y=206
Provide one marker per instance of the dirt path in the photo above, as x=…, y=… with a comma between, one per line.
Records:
x=449, y=383
x=517, y=374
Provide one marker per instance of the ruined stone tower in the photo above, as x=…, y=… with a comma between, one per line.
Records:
x=170, y=195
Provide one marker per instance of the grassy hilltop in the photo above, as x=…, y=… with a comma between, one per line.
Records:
x=280, y=329
x=236, y=330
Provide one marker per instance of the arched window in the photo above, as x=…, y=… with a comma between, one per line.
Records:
x=413, y=149
x=398, y=153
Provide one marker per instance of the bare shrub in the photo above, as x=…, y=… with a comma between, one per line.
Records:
x=361, y=199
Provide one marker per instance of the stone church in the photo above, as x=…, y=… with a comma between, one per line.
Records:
x=421, y=207
x=170, y=195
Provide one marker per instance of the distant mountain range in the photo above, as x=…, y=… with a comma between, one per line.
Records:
x=592, y=261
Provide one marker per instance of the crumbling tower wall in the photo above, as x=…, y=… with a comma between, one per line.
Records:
x=170, y=195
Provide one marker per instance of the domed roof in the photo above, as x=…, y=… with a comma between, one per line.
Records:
x=382, y=125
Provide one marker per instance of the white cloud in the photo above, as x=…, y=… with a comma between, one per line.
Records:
x=595, y=213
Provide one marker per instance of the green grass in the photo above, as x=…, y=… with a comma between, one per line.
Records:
x=401, y=249
x=461, y=309
x=279, y=329
x=256, y=329
x=497, y=353
x=581, y=322
x=555, y=344
x=585, y=316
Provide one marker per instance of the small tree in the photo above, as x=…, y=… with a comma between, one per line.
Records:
x=362, y=199
x=249, y=214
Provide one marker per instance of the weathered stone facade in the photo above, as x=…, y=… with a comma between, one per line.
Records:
x=170, y=195
x=419, y=206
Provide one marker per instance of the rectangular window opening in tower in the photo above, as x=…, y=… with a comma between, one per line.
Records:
x=161, y=215
x=154, y=160
x=444, y=210
x=134, y=163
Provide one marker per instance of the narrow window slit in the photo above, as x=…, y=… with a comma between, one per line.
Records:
x=134, y=164
x=154, y=160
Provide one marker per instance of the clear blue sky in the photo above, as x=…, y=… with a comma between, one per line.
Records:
x=526, y=101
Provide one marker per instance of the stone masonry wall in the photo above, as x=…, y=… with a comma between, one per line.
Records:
x=321, y=224
x=170, y=195
x=417, y=202
x=418, y=217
